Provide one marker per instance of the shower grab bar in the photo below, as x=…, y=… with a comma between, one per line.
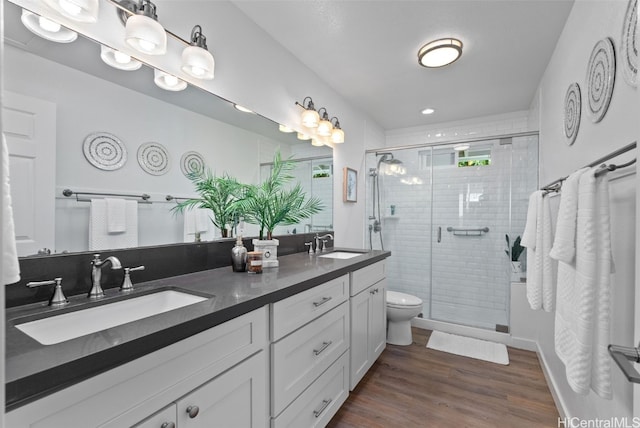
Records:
x=623, y=356
x=467, y=232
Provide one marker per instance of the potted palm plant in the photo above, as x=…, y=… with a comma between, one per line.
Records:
x=514, y=252
x=219, y=194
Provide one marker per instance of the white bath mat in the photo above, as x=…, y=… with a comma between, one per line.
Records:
x=469, y=347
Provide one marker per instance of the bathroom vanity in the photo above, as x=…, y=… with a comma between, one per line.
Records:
x=275, y=349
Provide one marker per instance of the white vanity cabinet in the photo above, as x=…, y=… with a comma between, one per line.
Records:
x=368, y=319
x=309, y=355
x=222, y=370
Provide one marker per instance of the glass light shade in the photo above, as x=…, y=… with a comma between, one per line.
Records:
x=168, y=81
x=440, y=53
x=303, y=137
x=317, y=141
x=337, y=136
x=146, y=35
x=78, y=10
x=198, y=62
x=310, y=118
x=46, y=28
x=285, y=129
x=119, y=60
x=324, y=128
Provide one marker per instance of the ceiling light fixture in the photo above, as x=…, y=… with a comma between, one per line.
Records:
x=324, y=126
x=197, y=61
x=143, y=32
x=337, y=135
x=440, y=52
x=46, y=28
x=168, y=81
x=310, y=117
x=119, y=60
x=428, y=110
x=77, y=10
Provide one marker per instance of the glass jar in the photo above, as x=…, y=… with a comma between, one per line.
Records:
x=254, y=262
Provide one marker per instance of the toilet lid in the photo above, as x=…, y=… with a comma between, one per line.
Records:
x=402, y=299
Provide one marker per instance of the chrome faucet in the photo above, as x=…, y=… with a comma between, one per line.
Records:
x=96, y=274
x=324, y=241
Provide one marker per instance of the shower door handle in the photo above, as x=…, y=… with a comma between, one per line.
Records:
x=439, y=234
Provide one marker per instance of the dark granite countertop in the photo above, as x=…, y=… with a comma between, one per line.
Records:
x=34, y=370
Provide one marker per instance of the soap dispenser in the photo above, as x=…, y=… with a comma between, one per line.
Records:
x=239, y=256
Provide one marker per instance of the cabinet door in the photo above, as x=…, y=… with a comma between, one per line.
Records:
x=360, y=336
x=165, y=418
x=378, y=320
x=236, y=398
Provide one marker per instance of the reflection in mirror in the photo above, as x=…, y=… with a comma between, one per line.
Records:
x=58, y=98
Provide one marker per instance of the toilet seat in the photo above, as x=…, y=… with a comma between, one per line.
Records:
x=396, y=299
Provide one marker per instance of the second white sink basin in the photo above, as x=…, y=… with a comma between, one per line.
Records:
x=59, y=328
x=340, y=255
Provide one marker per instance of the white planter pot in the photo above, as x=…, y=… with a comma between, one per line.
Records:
x=269, y=250
x=516, y=271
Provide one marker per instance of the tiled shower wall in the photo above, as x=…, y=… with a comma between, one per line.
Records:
x=461, y=279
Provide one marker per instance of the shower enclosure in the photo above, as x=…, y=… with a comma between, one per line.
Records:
x=444, y=212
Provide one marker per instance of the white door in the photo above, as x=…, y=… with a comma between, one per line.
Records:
x=30, y=127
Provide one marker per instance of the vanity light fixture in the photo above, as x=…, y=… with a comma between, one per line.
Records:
x=285, y=129
x=310, y=117
x=197, y=61
x=119, y=60
x=242, y=109
x=168, y=81
x=428, y=111
x=46, y=28
x=143, y=32
x=324, y=126
x=77, y=10
x=337, y=135
x=317, y=141
x=439, y=53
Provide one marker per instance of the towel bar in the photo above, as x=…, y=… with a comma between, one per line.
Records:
x=467, y=232
x=623, y=356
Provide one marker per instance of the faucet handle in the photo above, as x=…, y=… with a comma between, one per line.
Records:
x=57, y=298
x=310, y=244
x=127, y=285
x=324, y=245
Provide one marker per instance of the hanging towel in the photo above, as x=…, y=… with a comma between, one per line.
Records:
x=10, y=265
x=100, y=238
x=197, y=220
x=547, y=265
x=530, y=238
x=564, y=244
x=116, y=215
x=582, y=326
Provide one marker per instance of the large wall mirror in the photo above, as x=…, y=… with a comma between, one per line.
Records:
x=57, y=96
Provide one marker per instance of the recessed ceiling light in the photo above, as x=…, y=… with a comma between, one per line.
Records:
x=440, y=52
x=428, y=111
x=242, y=109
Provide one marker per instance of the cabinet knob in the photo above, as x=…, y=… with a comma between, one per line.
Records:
x=193, y=411
x=168, y=425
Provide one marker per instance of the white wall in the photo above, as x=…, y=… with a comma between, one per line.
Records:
x=589, y=22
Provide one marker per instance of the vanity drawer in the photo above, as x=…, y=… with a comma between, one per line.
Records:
x=295, y=311
x=298, y=359
x=317, y=404
x=367, y=276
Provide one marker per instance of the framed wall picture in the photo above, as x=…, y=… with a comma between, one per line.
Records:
x=350, y=185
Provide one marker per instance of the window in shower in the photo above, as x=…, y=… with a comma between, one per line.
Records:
x=474, y=157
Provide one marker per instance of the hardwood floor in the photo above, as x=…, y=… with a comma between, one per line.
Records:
x=412, y=386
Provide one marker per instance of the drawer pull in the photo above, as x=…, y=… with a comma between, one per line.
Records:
x=324, y=346
x=168, y=425
x=325, y=403
x=193, y=411
x=322, y=302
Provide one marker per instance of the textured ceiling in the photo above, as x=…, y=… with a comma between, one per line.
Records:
x=367, y=52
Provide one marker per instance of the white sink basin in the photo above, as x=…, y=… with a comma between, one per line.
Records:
x=56, y=329
x=340, y=255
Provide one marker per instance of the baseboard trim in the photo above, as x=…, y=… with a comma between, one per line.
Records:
x=557, y=398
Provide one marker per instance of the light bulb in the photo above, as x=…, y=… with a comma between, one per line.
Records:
x=146, y=45
x=168, y=81
x=49, y=25
x=121, y=58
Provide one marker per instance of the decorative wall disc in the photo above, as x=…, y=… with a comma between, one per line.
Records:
x=191, y=163
x=572, y=111
x=104, y=151
x=153, y=158
x=629, y=45
x=600, y=79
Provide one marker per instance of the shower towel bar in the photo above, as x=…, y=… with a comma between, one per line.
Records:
x=467, y=232
x=556, y=184
x=144, y=198
x=623, y=356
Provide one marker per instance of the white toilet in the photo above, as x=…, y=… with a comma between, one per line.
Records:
x=401, y=308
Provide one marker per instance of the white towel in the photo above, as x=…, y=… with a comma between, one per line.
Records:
x=582, y=326
x=100, y=238
x=547, y=265
x=530, y=240
x=197, y=220
x=116, y=215
x=564, y=244
x=10, y=265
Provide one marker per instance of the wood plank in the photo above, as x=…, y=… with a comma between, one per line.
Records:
x=412, y=386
